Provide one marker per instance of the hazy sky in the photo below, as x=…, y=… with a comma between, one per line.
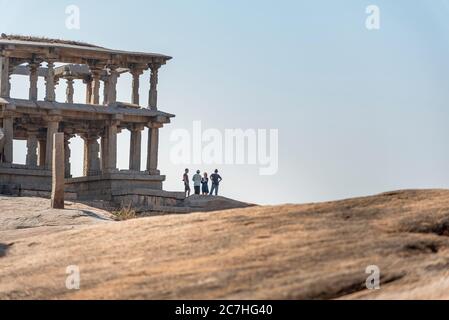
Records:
x=358, y=111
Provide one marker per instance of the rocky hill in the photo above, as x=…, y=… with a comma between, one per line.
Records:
x=312, y=251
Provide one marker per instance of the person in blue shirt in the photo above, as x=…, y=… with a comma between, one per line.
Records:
x=216, y=179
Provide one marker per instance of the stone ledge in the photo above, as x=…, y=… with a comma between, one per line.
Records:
x=115, y=109
x=149, y=192
x=116, y=176
x=23, y=170
x=69, y=196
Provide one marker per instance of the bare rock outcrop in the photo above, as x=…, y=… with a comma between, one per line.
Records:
x=210, y=203
x=312, y=251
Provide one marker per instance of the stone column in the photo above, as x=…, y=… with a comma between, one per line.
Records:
x=70, y=90
x=52, y=128
x=34, y=68
x=112, y=85
x=67, y=154
x=8, y=128
x=104, y=152
x=4, y=77
x=58, y=171
x=153, y=149
x=42, y=151
x=136, y=73
x=105, y=90
x=96, y=73
x=135, y=150
x=91, y=155
x=88, y=83
x=152, y=103
x=31, y=158
x=111, y=140
x=50, y=94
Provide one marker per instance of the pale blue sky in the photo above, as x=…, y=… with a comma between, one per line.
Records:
x=358, y=112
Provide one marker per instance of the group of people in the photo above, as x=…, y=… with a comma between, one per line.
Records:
x=201, y=183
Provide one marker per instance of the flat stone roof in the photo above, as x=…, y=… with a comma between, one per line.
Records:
x=13, y=37
x=28, y=41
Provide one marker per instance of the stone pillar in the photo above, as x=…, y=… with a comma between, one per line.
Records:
x=58, y=171
x=42, y=151
x=67, y=154
x=52, y=128
x=70, y=90
x=50, y=94
x=31, y=158
x=135, y=150
x=34, y=76
x=152, y=103
x=104, y=152
x=88, y=83
x=153, y=149
x=112, y=85
x=105, y=90
x=4, y=77
x=136, y=73
x=95, y=99
x=91, y=155
x=8, y=129
x=111, y=138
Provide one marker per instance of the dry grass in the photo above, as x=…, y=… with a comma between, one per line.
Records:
x=125, y=213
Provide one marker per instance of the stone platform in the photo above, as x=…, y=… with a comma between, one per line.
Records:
x=122, y=188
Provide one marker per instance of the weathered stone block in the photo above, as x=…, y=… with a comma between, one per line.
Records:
x=58, y=172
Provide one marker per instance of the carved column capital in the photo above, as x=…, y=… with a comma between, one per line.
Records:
x=137, y=127
x=155, y=125
x=137, y=70
x=87, y=79
x=53, y=118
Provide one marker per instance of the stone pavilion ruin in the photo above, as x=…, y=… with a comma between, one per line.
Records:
x=97, y=121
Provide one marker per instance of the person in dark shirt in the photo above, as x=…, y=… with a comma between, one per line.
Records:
x=186, y=181
x=216, y=179
x=205, y=184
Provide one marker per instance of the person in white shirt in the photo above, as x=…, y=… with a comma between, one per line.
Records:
x=197, y=182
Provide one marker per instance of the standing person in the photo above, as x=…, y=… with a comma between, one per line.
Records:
x=186, y=183
x=197, y=182
x=205, y=183
x=216, y=179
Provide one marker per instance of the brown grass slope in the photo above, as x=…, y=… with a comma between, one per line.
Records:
x=314, y=251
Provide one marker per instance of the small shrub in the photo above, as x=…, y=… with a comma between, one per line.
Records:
x=125, y=213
